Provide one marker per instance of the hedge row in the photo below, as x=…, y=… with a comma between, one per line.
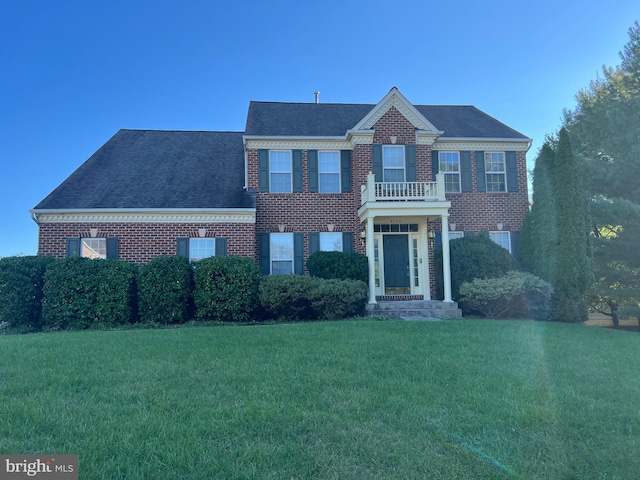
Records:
x=77, y=293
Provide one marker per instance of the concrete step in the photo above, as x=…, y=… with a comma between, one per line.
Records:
x=415, y=309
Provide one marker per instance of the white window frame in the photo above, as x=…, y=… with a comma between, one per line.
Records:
x=331, y=242
x=386, y=157
x=199, y=248
x=501, y=238
x=93, y=248
x=455, y=234
x=492, y=158
x=323, y=155
x=281, y=249
x=450, y=174
x=273, y=171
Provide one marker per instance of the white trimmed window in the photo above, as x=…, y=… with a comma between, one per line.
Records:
x=331, y=242
x=280, y=171
x=93, y=248
x=454, y=235
x=501, y=238
x=329, y=172
x=495, y=171
x=281, y=251
x=393, y=166
x=200, y=248
x=449, y=164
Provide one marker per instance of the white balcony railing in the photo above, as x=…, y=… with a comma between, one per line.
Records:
x=403, y=191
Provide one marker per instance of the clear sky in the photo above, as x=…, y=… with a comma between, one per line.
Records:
x=72, y=73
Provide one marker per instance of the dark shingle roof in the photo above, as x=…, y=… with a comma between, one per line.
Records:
x=334, y=119
x=158, y=169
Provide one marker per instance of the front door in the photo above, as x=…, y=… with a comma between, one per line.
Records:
x=396, y=264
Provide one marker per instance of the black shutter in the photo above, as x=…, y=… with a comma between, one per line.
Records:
x=515, y=243
x=312, y=159
x=73, y=247
x=265, y=248
x=221, y=247
x=314, y=243
x=298, y=253
x=465, y=171
x=296, y=156
x=347, y=242
x=376, y=161
x=435, y=164
x=481, y=179
x=263, y=170
x=345, y=170
x=112, y=248
x=410, y=163
x=182, y=247
x=438, y=239
x=512, y=171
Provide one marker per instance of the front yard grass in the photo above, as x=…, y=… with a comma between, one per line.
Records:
x=465, y=399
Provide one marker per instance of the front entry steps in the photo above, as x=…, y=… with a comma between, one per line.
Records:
x=414, y=309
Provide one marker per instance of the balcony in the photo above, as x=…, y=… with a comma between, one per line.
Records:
x=402, y=191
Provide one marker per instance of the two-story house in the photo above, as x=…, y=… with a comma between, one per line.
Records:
x=389, y=180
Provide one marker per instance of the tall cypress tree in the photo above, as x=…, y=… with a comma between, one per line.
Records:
x=574, y=265
x=554, y=243
x=539, y=233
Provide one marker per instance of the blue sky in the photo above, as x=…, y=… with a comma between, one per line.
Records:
x=72, y=73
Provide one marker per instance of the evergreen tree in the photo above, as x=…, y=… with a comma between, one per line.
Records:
x=573, y=258
x=605, y=129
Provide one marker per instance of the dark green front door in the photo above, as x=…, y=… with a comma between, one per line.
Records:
x=396, y=264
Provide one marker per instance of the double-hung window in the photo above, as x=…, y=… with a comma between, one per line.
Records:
x=501, y=238
x=200, y=248
x=329, y=172
x=449, y=164
x=281, y=251
x=495, y=171
x=393, y=166
x=280, y=171
x=331, y=242
x=93, y=248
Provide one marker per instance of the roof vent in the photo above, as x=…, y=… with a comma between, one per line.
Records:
x=317, y=94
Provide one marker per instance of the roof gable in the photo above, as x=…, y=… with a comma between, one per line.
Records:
x=395, y=99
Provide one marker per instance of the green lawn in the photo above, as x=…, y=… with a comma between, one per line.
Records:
x=342, y=400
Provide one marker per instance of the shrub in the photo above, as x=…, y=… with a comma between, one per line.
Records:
x=339, y=265
x=302, y=298
x=335, y=299
x=81, y=293
x=472, y=257
x=21, y=291
x=165, y=285
x=226, y=288
x=116, y=297
x=514, y=295
x=287, y=297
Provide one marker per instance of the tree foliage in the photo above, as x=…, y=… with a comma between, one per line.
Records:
x=605, y=129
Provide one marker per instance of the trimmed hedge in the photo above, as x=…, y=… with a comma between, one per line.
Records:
x=21, y=291
x=514, y=295
x=165, y=286
x=339, y=265
x=303, y=298
x=81, y=293
x=226, y=288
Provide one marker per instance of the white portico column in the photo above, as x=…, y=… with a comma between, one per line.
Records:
x=446, y=259
x=372, y=261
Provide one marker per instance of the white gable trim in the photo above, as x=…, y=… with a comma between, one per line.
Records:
x=395, y=99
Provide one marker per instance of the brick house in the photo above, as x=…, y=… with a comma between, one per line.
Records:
x=390, y=180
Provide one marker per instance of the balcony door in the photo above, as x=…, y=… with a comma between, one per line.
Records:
x=396, y=264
